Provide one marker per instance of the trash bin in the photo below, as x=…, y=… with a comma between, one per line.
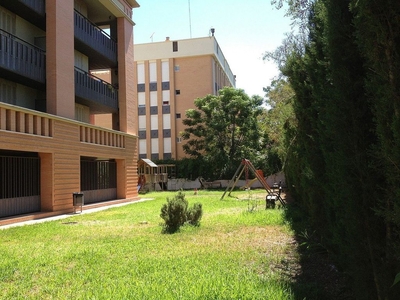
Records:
x=79, y=200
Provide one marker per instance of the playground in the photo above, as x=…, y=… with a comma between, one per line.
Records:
x=162, y=177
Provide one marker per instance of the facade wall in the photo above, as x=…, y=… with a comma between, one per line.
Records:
x=194, y=80
x=196, y=68
x=61, y=144
x=42, y=119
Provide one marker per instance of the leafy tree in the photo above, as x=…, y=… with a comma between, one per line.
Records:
x=275, y=121
x=223, y=129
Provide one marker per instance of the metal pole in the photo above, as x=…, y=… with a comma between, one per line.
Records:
x=190, y=20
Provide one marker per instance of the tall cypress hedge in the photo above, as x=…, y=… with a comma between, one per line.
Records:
x=344, y=163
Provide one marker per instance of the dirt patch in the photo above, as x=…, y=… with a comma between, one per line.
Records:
x=312, y=275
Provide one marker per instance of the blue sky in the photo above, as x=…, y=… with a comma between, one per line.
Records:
x=244, y=29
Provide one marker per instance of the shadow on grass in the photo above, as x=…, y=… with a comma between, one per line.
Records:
x=317, y=277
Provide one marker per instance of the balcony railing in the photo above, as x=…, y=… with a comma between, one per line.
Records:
x=21, y=120
x=95, y=91
x=123, y=6
x=94, y=39
x=34, y=11
x=22, y=58
x=36, y=5
x=30, y=122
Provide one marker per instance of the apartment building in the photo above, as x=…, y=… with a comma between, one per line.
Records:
x=169, y=76
x=50, y=144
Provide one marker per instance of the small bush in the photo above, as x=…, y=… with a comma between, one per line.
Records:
x=176, y=213
x=194, y=214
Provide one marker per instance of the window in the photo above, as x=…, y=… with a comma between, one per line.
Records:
x=142, y=123
x=165, y=97
x=175, y=46
x=8, y=92
x=165, y=85
x=140, y=74
x=177, y=68
x=178, y=115
x=153, y=86
x=153, y=71
x=153, y=98
x=166, y=122
x=141, y=99
x=7, y=21
x=167, y=145
x=177, y=92
x=165, y=71
x=82, y=113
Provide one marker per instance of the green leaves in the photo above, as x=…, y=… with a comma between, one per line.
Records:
x=396, y=279
x=342, y=146
x=223, y=129
x=176, y=212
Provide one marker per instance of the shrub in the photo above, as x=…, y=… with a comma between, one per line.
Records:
x=194, y=214
x=176, y=213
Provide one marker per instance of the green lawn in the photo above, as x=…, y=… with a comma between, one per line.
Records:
x=121, y=253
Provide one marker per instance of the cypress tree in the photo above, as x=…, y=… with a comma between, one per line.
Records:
x=377, y=26
x=344, y=161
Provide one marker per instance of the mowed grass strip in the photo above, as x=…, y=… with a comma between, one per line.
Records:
x=120, y=253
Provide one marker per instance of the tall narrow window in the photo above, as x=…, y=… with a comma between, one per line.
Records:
x=8, y=92
x=175, y=46
x=165, y=71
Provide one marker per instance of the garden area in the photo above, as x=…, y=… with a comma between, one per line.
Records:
x=238, y=250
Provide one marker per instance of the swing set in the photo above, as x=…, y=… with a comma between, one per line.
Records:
x=246, y=166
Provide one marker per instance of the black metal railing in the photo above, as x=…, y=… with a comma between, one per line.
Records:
x=97, y=175
x=22, y=58
x=94, y=89
x=94, y=37
x=33, y=11
x=38, y=6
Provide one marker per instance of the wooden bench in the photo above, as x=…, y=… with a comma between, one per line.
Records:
x=209, y=184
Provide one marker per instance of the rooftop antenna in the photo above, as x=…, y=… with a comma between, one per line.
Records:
x=190, y=21
x=151, y=37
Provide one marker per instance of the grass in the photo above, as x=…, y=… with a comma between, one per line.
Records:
x=120, y=253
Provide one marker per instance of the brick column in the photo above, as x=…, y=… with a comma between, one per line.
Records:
x=127, y=98
x=60, y=92
x=46, y=181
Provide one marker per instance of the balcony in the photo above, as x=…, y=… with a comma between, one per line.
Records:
x=27, y=123
x=33, y=11
x=95, y=43
x=99, y=95
x=22, y=62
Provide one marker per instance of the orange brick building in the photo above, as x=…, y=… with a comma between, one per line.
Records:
x=170, y=75
x=50, y=144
